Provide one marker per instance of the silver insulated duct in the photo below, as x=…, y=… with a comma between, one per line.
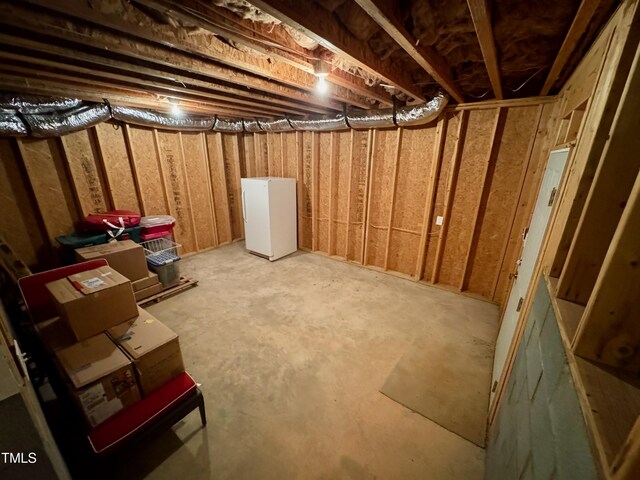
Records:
x=46, y=117
x=146, y=118
x=44, y=125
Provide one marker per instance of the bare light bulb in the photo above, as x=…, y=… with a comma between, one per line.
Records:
x=176, y=110
x=322, y=86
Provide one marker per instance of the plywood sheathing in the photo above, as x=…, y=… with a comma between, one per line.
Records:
x=369, y=197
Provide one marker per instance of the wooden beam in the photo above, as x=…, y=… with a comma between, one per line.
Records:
x=427, y=58
x=210, y=196
x=245, y=32
x=609, y=331
x=449, y=194
x=365, y=225
x=210, y=49
x=578, y=26
x=321, y=25
x=610, y=189
x=314, y=190
x=113, y=45
x=349, y=192
x=434, y=173
x=481, y=16
x=333, y=142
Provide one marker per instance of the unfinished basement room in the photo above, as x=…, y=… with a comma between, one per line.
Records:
x=319, y=239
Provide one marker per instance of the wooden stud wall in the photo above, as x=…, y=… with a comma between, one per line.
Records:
x=369, y=197
x=50, y=184
x=372, y=197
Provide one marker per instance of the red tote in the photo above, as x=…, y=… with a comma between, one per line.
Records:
x=109, y=221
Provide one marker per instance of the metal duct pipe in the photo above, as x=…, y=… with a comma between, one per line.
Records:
x=421, y=114
x=321, y=123
x=54, y=124
x=279, y=125
x=382, y=118
x=227, y=126
x=37, y=104
x=11, y=125
x=251, y=126
x=146, y=118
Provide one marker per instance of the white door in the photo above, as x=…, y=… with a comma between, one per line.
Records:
x=255, y=212
x=532, y=244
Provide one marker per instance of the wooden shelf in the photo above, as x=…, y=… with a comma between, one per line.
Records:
x=610, y=399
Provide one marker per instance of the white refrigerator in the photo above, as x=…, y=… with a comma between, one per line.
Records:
x=269, y=214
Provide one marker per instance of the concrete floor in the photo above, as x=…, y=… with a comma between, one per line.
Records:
x=291, y=356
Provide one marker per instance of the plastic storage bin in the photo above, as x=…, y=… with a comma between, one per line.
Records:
x=162, y=258
x=157, y=223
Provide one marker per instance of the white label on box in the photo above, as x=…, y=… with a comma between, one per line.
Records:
x=95, y=404
x=94, y=282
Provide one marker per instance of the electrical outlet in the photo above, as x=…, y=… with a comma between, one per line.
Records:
x=439, y=220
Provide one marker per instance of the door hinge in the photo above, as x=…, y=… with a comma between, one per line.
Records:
x=520, y=302
x=552, y=197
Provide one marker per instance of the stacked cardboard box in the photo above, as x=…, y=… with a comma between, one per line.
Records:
x=127, y=258
x=110, y=351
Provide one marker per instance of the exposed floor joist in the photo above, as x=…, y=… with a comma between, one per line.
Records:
x=580, y=22
x=319, y=24
x=428, y=59
x=186, y=53
x=481, y=16
x=217, y=21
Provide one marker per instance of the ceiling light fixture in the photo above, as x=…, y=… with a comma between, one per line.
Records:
x=176, y=111
x=321, y=70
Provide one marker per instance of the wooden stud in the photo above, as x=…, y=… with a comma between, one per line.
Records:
x=101, y=166
x=236, y=145
x=314, y=190
x=580, y=23
x=608, y=332
x=365, y=227
x=481, y=16
x=394, y=182
x=132, y=164
x=161, y=171
x=224, y=182
x=212, y=206
x=434, y=174
x=332, y=171
x=346, y=242
x=299, y=153
x=451, y=186
x=491, y=158
x=282, y=154
x=194, y=230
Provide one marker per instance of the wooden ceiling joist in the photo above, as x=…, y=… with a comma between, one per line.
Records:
x=428, y=59
x=319, y=24
x=208, y=49
x=578, y=26
x=215, y=20
x=481, y=16
x=114, y=47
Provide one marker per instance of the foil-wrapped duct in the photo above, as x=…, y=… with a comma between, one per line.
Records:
x=370, y=118
x=44, y=125
x=11, y=125
x=37, y=104
x=146, y=118
x=320, y=123
x=278, y=125
x=421, y=114
x=227, y=126
x=251, y=125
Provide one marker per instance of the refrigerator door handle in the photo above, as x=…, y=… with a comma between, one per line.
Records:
x=244, y=207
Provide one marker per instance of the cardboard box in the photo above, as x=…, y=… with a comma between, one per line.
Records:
x=93, y=301
x=55, y=334
x=147, y=292
x=153, y=347
x=101, y=377
x=149, y=281
x=125, y=257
